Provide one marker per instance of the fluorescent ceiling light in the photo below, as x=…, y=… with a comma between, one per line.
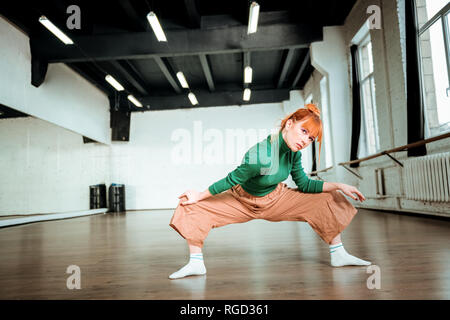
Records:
x=134, y=100
x=182, y=80
x=248, y=74
x=247, y=93
x=156, y=26
x=114, y=83
x=193, y=99
x=54, y=29
x=253, y=18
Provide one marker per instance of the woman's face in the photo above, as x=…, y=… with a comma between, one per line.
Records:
x=296, y=137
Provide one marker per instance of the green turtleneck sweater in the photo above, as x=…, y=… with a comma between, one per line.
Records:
x=261, y=170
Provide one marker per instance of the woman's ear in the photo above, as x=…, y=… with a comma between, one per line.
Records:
x=288, y=123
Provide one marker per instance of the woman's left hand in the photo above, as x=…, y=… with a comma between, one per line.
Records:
x=351, y=191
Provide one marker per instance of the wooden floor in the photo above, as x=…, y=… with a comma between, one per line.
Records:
x=130, y=255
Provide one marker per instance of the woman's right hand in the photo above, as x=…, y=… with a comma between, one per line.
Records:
x=191, y=196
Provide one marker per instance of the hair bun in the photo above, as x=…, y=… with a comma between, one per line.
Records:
x=313, y=108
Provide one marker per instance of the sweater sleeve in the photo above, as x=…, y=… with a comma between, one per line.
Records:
x=242, y=173
x=302, y=181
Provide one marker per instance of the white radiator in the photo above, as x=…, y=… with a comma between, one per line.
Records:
x=427, y=178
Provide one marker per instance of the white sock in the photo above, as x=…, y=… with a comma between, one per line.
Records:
x=195, y=266
x=340, y=257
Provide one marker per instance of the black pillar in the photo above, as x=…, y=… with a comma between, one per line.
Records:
x=356, y=110
x=314, y=165
x=414, y=96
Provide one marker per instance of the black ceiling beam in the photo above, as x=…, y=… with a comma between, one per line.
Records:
x=300, y=71
x=194, y=17
x=135, y=72
x=239, y=17
x=12, y=15
x=287, y=63
x=168, y=73
x=139, y=22
x=39, y=66
x=207, y=71
x=119, y=101
x=131, y=76
x=38, y=70
x=247, y=57
x=144, y=45
x=217, y=98
x=241, y=12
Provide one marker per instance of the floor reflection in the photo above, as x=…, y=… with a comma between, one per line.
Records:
x=192, y=287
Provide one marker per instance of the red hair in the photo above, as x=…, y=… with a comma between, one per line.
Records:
x=310, y=118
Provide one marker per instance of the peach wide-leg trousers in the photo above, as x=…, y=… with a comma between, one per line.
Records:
x=328, y=213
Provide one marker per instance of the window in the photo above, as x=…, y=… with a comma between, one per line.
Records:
x=326, y=123
x=433, y=20
x=369, y=138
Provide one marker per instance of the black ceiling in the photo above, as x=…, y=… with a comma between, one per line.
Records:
x=207, y=41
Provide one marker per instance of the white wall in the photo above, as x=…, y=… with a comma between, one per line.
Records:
x=65, y=98
x=47, y=169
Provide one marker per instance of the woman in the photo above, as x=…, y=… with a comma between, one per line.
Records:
x=254, y=190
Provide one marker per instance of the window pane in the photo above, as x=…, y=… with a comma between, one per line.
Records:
x=435, y=79
x=375, y=119
x=369, y=132
x=307, y=159
x=326, y=123
x=433, y=7
x=369, y=52
x=365, y=60
x=362, y=145
x=369, y=116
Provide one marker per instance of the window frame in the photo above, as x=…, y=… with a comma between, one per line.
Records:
x=365, y=40
x=444, y=15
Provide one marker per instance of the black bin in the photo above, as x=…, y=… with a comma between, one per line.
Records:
x=116, y=197
x=97, y=196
